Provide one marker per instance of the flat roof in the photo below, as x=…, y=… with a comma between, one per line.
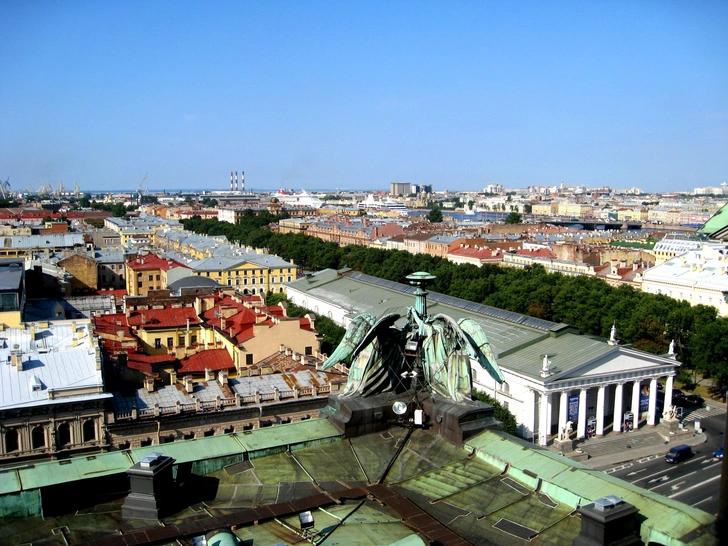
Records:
x=50, y=364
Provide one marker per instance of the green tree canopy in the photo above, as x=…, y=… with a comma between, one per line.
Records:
x=514, y=218
x=435, y=215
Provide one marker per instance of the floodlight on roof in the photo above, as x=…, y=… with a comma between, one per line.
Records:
x=400, y=408
x=306, y=519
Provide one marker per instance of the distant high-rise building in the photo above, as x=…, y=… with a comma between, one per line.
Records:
x=400, y=188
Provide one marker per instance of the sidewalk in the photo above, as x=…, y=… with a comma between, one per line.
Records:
x=613, y=449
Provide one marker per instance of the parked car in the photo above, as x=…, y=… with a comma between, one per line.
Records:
x=679, y=453
x=688, y=400
x=719, y=454
x=677, y=393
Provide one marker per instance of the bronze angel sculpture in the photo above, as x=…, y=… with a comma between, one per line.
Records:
x=445, y=350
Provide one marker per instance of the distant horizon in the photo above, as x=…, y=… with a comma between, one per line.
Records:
x=362, y=94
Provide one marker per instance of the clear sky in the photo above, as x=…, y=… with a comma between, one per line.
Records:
x=359, y=94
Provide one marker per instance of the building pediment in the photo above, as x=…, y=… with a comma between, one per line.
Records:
x=622, y=360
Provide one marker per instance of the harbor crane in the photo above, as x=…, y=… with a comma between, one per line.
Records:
x=5, y=188
x=141, y=188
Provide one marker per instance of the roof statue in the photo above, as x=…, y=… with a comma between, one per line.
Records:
x=443, y=349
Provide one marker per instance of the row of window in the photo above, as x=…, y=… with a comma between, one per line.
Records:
x=38, y=436
x=170, y=341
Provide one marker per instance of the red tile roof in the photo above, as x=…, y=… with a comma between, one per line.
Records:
x=480, y=253
x=538, y=253
x=110, y=324
x=150, y=262
x=214, y=359
x=147, y=363
x=169, y=317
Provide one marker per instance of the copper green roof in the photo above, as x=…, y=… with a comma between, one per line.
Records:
x=717, y=226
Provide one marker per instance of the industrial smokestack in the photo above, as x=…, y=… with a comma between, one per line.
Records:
x=242, y=182
x=236, y=181
x=231, y=180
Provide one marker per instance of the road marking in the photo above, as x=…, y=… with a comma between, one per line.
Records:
x=651, y=475
x=702, y=501
x=618, y=468
x=695, y=460
x=701, y=484
x=667, y=479
x=661, y=479
x=712, y=466
x=676, y=486
x=650, y=458
x=636, y=472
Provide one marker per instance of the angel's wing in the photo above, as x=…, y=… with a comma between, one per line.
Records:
x=353, y=337
x=478, y=340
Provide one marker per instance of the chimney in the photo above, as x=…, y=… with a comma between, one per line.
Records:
x=222, y=322
x=149, y=384
x=144, y=318
x=73, y=326
x=98, y=363
x=282, y=348
x=209, y=375
x=172, y=378
x=222, y=377
x=32, y=331
x=189, y=385
x=608, y=521
x=288, y=351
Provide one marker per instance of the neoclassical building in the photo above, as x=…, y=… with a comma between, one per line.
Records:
x=52, y=399
x=553, y=374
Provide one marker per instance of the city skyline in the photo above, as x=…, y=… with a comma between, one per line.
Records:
x=323, y=95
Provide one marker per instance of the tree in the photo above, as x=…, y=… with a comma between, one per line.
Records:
x=118, y=210
x=435, y=215
x=502, y=414
x=514, y=218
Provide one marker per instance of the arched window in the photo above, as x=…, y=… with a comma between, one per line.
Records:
x=280, y=290
x=253, y=291
x=89, y=431
x=63, y=437
x=12, y=442
x=505, y=388
x=37, y=437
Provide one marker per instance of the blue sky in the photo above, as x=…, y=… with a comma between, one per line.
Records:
x=355, y=95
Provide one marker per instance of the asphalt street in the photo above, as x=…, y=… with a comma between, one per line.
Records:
x=695, y=482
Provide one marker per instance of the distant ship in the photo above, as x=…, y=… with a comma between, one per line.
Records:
x=302, y=199
x=387, y=206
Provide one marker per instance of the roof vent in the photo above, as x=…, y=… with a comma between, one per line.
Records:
x=605, y=503
x=35, y=384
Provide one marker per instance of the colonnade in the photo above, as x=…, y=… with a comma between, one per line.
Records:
x=609, y=396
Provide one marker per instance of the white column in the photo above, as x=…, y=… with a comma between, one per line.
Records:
x=530, y=418
x=636, y=404
x=600, y=411
x=543, y=429
x=617, y=424
x=652, y=417
x=563, y=410
x=668, y=392
x=581, y=425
